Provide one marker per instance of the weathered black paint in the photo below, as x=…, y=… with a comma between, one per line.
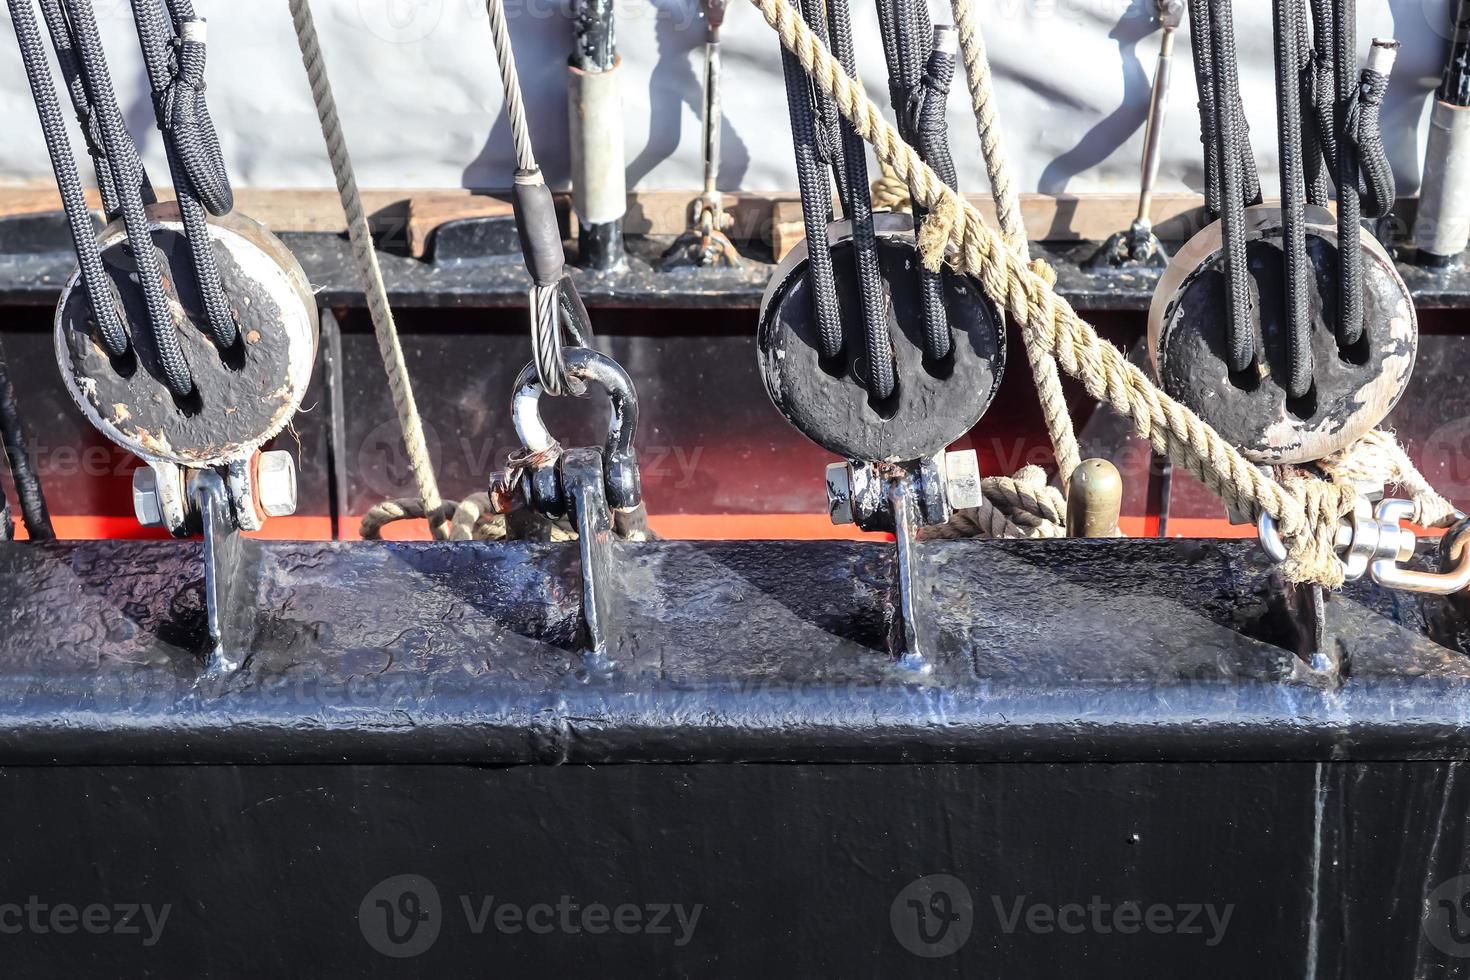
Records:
x=1109, y=722
x=730, y=652
x=242, y=394
x=796, y=868
x=932, y=405
x=1254, y=412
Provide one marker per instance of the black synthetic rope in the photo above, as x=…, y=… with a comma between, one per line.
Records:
x=191, y=128
x=22, y=469
x=816, y=205
x=1314, y=168
x=94, y=280
x=1204, y=80
x=176, y=106
x=1230, y=148
x=1349, y=207
x=908, y=48
x=831, y=144
x=932, y=131
x=858, y=206
x=76, y=87
x=122, y=153
x=1365, y=141
x=1299, y=271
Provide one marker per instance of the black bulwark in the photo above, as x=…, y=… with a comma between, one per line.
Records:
x=1110, y=724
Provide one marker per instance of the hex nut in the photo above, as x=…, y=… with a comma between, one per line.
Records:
x=962, y=479
x=839, y=493
x=275, y=484
x=146, y=505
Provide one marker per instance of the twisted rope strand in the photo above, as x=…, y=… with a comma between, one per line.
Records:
x=363, y=252
x=956, y=233
x=1013, y=229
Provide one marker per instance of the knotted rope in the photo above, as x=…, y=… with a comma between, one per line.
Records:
x=955, y=233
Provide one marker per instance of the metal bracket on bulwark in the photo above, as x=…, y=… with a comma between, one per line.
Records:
x=902, y=498
x=598, y=489
x=229, y=605
x=582, y=477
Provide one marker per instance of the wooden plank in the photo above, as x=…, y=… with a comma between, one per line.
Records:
x=408, y=217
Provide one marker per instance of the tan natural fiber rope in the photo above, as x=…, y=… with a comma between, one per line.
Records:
x=376, y=292
x=956, y=233
x=1013, y=230
x=471, y=519
x=1378, y=461
x=1022, y=506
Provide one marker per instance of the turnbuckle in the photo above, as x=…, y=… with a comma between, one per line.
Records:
x=1373, y=541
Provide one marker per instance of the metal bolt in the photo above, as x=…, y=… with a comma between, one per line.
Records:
x=275, y=484
x=839, y=493
x=146, y=505
x=962, y=479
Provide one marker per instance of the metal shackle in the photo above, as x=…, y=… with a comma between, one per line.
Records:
x=620, y=464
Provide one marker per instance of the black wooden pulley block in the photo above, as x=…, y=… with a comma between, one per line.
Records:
x=933, y=405
x=1353, y=387
x=243, y=396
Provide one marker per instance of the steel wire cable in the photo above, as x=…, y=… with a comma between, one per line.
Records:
x=556, y=311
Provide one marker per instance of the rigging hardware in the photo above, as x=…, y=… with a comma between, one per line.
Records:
x=705, y=243
x=1258, y=323
x=556, y=308
x=865, y=351
x=1373, y=541
x=1442, y=225
x=595, y=109
x=1139, y=245
x=598, y=489
x=188, y=342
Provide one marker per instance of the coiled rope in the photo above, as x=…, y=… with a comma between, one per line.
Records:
x=1306, y=511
